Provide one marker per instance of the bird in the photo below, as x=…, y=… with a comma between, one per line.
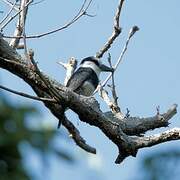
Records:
x=85, y=79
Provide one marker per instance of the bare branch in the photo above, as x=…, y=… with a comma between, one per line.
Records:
x=116, y=31
x=137, y=143
x=104, y=94
x=81, y=13
x=114, y=94
x=131, y=33
x=87, y=108
x=10, y=4
x=24, y=15
x=38, y=2
x=75, y=134
x=51, y=88
x=20, y=27
x=169, y=135
x=124, y=132
x=139, y=125
x=27, y=95
x=70, y=68
x=9, y=12
x=11, y=18
x=55, y=108
x=115, y=109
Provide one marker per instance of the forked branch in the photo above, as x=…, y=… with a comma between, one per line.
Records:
x=127, y=133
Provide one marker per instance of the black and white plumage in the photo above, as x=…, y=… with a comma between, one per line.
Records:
x=86, y=78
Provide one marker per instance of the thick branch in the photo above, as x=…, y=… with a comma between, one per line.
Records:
x=169, y=135
x=137, y=143
x=88, y=109
x=18, y=67
x=138, y=126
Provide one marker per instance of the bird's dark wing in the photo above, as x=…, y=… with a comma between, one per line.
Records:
x=79, y=77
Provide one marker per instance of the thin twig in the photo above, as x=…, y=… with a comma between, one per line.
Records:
x=76, y=17
x=11, y=18
x=104, y=95
x=51, y=88
x=10, y=4
x=20, y=27
x=27, y=95
x=24, y=15
x=53, y=92
x=37, y=2
x=70, y=68
x=131, y=33
x=75, y=134
x=9, y=12
x=113, y=107
x=115, y=33
x=114, y=94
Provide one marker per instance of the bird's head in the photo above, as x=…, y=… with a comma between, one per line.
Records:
x=95, y=64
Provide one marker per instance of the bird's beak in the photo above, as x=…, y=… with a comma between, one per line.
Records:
x=106, y=68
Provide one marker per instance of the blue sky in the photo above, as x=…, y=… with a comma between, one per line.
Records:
x=147, y=77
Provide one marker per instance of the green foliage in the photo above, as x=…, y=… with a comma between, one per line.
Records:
x=13, y=131
x=162, y=165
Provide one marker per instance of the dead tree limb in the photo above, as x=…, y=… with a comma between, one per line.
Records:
x=127, y=133
x=115, y=33
x=88, y=109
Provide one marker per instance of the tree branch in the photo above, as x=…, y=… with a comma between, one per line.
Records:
x=10, y=4
x=20, y=27
x=125, y=133
x=132, y=31
x=80, y=13
x=115, y=33
x=138, y=126
x=70, y=68
x=87, y=108
x=137, y=143
x=9, y=12
x=27, y=95
x=11, y=18
x=75, y=134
